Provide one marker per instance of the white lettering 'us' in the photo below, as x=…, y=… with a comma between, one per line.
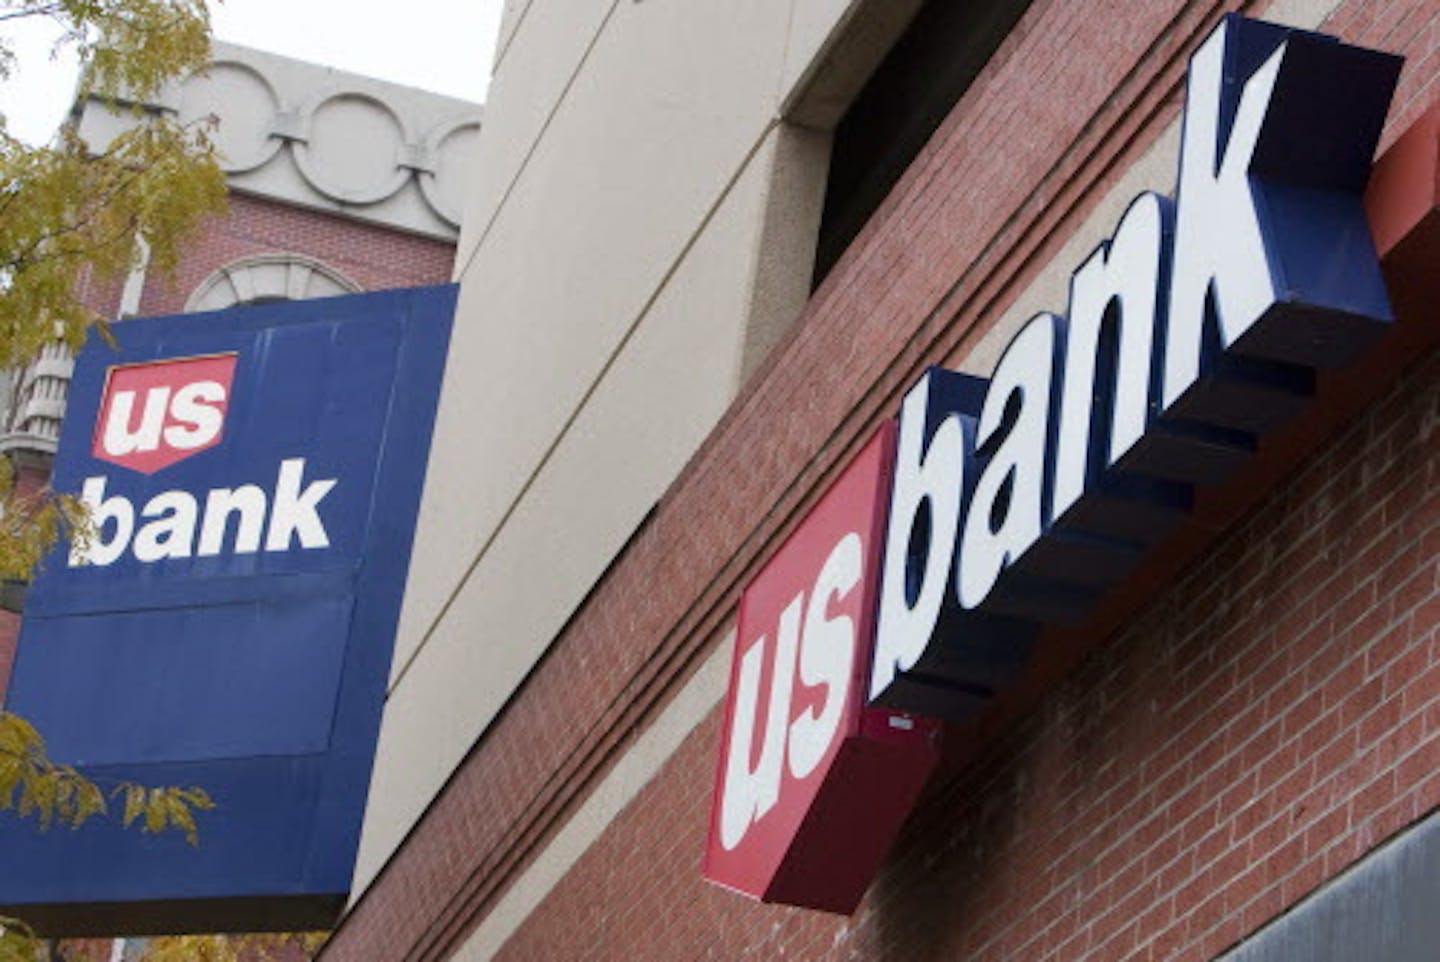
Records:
x=824, y=649
x=172, y=524
x=190, y=419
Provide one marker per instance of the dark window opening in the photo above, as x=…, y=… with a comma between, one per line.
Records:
x=899, y=108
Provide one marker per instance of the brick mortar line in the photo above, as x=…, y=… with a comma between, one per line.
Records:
x=572, y=787
x=652, y=767
x=1305, y=894
x=1298, y=831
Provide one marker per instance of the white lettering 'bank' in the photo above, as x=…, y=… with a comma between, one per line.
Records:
x=173, y=524
x=1191, y=333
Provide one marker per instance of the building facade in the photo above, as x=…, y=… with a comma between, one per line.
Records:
x=759, y=223
x=709, y=249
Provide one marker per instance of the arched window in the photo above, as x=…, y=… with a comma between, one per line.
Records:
x=269, y=277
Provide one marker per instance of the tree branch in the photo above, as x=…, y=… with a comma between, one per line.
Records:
x=49, y=10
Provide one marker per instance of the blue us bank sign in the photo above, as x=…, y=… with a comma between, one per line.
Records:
x=254, y=475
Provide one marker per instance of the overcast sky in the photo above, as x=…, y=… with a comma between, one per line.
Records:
x=439, y=45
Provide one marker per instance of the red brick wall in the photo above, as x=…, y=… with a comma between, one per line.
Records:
x=9, y=632
x=100, y=293
x=1245, y=737
x=373, y=257
x=1259, y=727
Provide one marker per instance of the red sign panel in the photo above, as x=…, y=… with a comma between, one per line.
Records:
x=154, y=415
x=812, y=785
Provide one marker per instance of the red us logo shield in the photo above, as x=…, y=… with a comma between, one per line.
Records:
x=155, y=415
x=812, y=784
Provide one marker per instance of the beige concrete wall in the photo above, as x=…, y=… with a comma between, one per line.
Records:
x=639, y=233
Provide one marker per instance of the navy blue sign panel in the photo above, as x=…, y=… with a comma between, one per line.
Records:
x=255, y=476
